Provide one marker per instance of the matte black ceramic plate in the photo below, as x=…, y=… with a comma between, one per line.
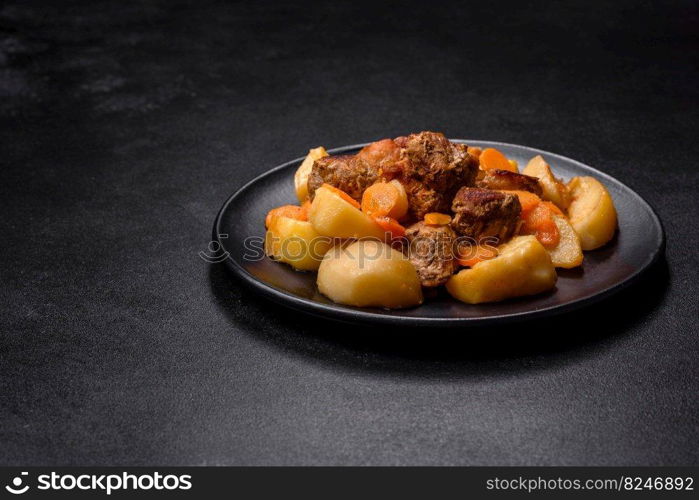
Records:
x=637, y=245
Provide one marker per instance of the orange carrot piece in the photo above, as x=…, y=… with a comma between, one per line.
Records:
x=379, y=199
x=491, y=158
x=473, y=150
x=437, y=219
x=540, y=223
x=553, y=208
x=305, y=207
x=529, y=201
x=470, y=256
x=341, y=194
x=290, y=211
x=391, y=226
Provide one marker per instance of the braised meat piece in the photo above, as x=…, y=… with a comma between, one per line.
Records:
x=383, y=155
x=350, y=173
x=482, y=213
x=430, y=167
x=510, y=181
x=434, y=171
x=431, y=251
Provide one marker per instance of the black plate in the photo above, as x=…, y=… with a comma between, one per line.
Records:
x=637, y=245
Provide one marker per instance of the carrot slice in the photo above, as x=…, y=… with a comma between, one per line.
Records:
x=306, y=206
x=341, y=194
x=391, y=226
x=437, y=219
x=540, y=223
x=472, y=255
x=290, y=211
x=379, y=199
x=537, y=217
x=553, y=208
x=491, y=158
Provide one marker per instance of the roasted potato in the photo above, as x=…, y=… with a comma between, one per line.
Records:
x=295, y=242
x=333, y=216
x=522, y=267
x=369, y=273
x=302, y=173
x=567, y=253
x=591, y=212
x=553, y=189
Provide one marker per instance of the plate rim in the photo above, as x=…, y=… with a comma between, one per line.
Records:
x=343, y=313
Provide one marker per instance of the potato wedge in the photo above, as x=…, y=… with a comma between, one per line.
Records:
x=553, y=189
x=567, y=253
x=369, y=273
x=522, y=267
x=332, y=216
x=591, y=212
x=296, y=243
x=304, y=170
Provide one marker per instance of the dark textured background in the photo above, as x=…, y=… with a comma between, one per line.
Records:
x=125, y=127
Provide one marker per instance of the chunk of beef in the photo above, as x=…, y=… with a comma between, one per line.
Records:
x=432, y=252
x=482, y=213
x=350, y=173
x=435, y=169
x=382, y=155
x=504, y=179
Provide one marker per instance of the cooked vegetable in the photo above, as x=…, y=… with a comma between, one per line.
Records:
x=553, y=189
x=471, y=255
x=290, y=211
x=523, y=267
x=437, y=219
x=537, y=218
x=295, y=242
x=306, y=206
x=369, y=273
x=385, y=199
x=302, y=173
x=335, y=214
x=567, y=253
x=339, y=192
x=400, y=210
x=390, y=226
x=554, y=209
x=491, y=158
x=591, y=212
x=475, y=151
x=527, y=200
x=539, y=222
